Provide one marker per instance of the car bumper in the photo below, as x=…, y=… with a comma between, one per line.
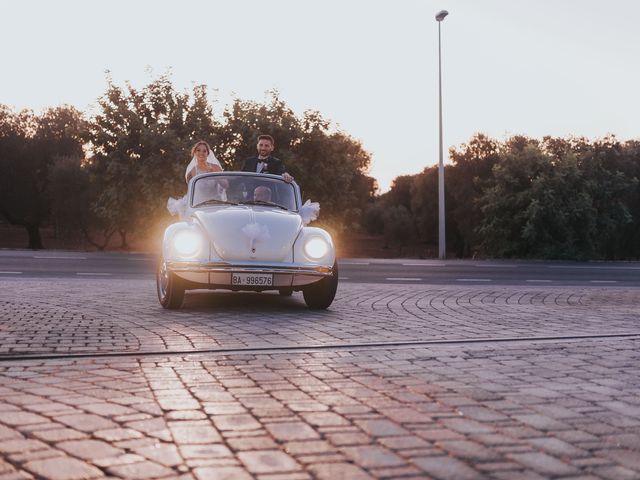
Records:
x=218, y=274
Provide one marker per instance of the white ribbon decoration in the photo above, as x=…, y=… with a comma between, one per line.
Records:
x=177, y=206
x=255, y=232
x=309, y=211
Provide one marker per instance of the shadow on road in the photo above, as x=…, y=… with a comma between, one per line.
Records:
x=247, y=302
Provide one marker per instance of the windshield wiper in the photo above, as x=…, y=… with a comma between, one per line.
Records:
x=262, y=202
x=213, y=201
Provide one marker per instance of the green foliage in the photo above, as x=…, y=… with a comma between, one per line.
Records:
x=142, y=138
x=464, y=182
x=29, y=146
x=75, y=216
x=330, y=166
x=535, y=207
x=568, y=198
x=70, y=213
x=391, y=215
x=550, y=198
x=331, y=169
x=424, y=204
x=555, y=202
x=141, y=142
x=372, y=219
x=399, y=228
x=243, y=121
x=612, y=175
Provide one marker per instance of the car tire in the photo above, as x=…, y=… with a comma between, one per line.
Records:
x=285, y=292
x=169, y=286
x=320, y=295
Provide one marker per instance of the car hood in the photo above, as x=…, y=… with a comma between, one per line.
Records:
x=251, y=233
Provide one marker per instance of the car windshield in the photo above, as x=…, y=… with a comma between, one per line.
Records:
x=227, y=188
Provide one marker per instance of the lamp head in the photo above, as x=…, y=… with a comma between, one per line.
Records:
x=441, y=14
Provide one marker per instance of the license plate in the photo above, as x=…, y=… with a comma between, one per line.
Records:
x=252, y=279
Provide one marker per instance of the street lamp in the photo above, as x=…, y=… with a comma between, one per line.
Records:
x=441, y=238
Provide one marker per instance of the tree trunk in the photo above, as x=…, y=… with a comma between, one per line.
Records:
x=123, y=240
x=35, y=240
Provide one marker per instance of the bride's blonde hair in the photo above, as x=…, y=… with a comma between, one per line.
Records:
x=198, y=143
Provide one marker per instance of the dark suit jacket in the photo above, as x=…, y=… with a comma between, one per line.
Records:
x=274, y=165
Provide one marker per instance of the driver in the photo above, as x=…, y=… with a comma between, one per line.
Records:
x=262, y=194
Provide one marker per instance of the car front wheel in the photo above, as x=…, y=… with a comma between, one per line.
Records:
x=170, y=287
x=320, y=295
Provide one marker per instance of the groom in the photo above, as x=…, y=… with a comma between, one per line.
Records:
x=264, y=162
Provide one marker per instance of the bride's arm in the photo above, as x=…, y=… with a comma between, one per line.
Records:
x=189, y=174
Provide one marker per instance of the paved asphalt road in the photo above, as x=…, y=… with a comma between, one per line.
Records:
x=43, y=264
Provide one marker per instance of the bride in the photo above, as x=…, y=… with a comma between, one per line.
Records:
x=202, y=161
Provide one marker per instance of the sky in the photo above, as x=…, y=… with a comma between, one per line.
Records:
x=532, y=67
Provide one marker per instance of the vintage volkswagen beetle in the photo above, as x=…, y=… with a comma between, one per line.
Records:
x=245, y=231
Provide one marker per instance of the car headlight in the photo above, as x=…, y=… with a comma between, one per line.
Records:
x=187, y=243
x=316, y=247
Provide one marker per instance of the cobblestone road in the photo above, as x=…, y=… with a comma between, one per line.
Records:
x=564, y=408
x=76, y=316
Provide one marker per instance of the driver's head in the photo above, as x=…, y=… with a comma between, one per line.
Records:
x=262, y=194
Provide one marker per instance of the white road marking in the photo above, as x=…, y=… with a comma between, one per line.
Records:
x=354, y=263
x=497, y=266
x=403, y=279
x=92, y=273
x=539, y=281
x=10, y=273
x=601, y=267
x=424, y=264
x=603, y=281
x=137, y=259
x=59, y=257
x=343, y=278
x=473, y=279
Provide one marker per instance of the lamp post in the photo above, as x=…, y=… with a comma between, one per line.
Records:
x=441, y=237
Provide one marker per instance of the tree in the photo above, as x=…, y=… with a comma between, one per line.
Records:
x=75, y=215
x=399, y=228
x=141, y=139
x=629, y=238
x=523, y=197
x=545, y=206
x=244, y=120
x=29, y=146
x=465, y=181
x=610, y=181
x=424, y=204
x=390, y=214
x=141, y=142
x=330, y=166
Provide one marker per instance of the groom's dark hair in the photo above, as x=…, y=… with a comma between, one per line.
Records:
x=266, y=137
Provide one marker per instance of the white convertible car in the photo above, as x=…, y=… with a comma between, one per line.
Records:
x=245, y=231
